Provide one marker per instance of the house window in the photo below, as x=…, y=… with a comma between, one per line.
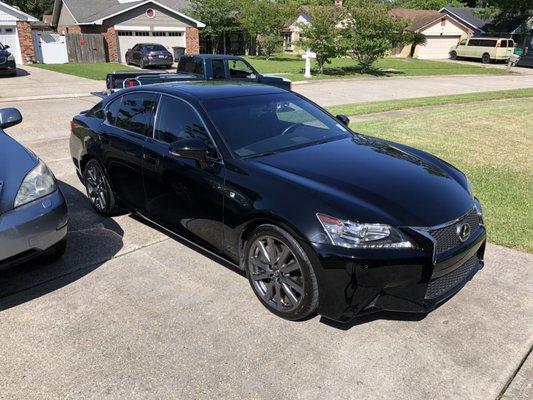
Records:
x=175, y=34
x=159, y=34
x=287, y=40
x=142, y=33
x=9, y=30
x=125, y=33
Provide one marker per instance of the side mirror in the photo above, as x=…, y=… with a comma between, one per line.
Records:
x=194, y=149
x=9, y=117
x=344, y=119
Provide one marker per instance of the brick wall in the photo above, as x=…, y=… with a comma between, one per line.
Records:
x=192, y=40
x=26, y=41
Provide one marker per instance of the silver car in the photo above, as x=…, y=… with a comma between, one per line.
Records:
x=33, y=211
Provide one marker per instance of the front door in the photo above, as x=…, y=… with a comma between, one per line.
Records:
x=128, y=121
x=180, y=195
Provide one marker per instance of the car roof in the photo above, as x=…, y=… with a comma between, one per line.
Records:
x=212, y=56
x=490, y=37
x=212, y=90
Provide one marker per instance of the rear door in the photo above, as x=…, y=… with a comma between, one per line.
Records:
x=123, y=135
x=180, y=195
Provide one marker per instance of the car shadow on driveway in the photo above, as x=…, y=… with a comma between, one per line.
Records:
x=20, y=72
x=91, y=241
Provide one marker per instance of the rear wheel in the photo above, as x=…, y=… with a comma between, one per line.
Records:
x=98, y=189
x=486, y=58
x=280, y=273
x=453, y=55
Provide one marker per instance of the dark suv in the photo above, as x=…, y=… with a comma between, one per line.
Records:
x=7, y=61
x=149, y=55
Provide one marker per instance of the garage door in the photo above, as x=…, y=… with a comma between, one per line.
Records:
x=9, y=37
x=437, y=47
x=128, y=39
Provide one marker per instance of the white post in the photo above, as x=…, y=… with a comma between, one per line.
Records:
x=308, y=56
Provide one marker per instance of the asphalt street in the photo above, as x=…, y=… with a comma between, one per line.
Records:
x=131, y=312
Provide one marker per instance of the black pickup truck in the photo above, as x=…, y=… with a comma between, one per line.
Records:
x=198, y=67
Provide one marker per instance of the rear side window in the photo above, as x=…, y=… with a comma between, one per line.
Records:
x=483, y=42
x=219, y=71
x=96, y=112
x=112, y=111
x=135, y=113
x=238, y=69
x=503, y=43
x=176, y=120
x=190, y=65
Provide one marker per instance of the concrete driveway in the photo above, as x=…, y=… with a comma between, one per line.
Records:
x=34, y=83
x=133, y=313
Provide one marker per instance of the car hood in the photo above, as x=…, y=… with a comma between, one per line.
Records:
x=370, y=180
x=16, y=162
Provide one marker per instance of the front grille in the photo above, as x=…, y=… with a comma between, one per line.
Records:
x=447, y=238
x=440, y=286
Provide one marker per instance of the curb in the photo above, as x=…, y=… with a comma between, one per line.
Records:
x=45, y=97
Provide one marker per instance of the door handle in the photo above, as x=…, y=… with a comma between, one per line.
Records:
x=151, y=160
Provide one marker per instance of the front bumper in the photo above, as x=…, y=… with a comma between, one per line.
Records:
x=8, y=66
x=353, y=283
x=32, y=229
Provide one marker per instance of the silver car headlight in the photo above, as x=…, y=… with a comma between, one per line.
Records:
x=38, y=183
x=10, y=57
x=363, y=236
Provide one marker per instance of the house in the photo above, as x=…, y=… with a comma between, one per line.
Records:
x=124, y=23
x=442, y=31
x=15, y=31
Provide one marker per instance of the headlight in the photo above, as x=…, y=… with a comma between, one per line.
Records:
x=479, y=210
x=363, y=236
x=38, y=183
x=10, y=57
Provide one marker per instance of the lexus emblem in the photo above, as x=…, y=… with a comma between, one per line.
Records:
x=464, y=231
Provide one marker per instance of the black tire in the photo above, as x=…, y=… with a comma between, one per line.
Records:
x=56, y=252
x=141, y=64
x=303, y=290
x=168, y=66
x=98, y=189
x=453, y=55
x=486, y=58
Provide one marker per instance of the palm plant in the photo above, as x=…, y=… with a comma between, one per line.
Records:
x=416, y=39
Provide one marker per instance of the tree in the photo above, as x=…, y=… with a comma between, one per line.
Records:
x=416, y=39
x=37, y=8
x=370, y=33
x=322, y=36
x=219, y=17
x=428, y=4
x=264, y=20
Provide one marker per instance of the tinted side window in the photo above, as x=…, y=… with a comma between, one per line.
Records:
x=487, y=43
x=473, y=42
x=136, y=112
x=503, y=43
x=190, y=65
x=96, y=112
x=219, y=71
x=176, y=120
x=238, y=69
x=112, y=111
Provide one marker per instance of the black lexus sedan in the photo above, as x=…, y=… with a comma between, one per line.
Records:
x=7, y=61
x=149, y=55
x=321, y=219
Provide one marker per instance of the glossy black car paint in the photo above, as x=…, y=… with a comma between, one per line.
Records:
x=359, y=178
x=7, y=67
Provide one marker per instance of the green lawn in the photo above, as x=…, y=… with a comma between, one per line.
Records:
x=456, y=99
x=292, y=67
x=97, y=71
x=492, y=143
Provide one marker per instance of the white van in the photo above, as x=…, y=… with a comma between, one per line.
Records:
x=484, y=48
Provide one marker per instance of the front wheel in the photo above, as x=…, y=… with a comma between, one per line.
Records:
x=453, y=55
x=280, y=273
x=486, y=58
x=98, y=189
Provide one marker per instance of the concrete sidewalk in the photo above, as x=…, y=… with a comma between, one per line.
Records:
x=345, y=91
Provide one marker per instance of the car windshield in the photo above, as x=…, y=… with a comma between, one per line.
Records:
x=154, y=47
x=258, y=125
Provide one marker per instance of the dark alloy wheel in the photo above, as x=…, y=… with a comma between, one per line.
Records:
x=486, y=58
x=453, y=55
x=280, y=273
x=98, y=190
